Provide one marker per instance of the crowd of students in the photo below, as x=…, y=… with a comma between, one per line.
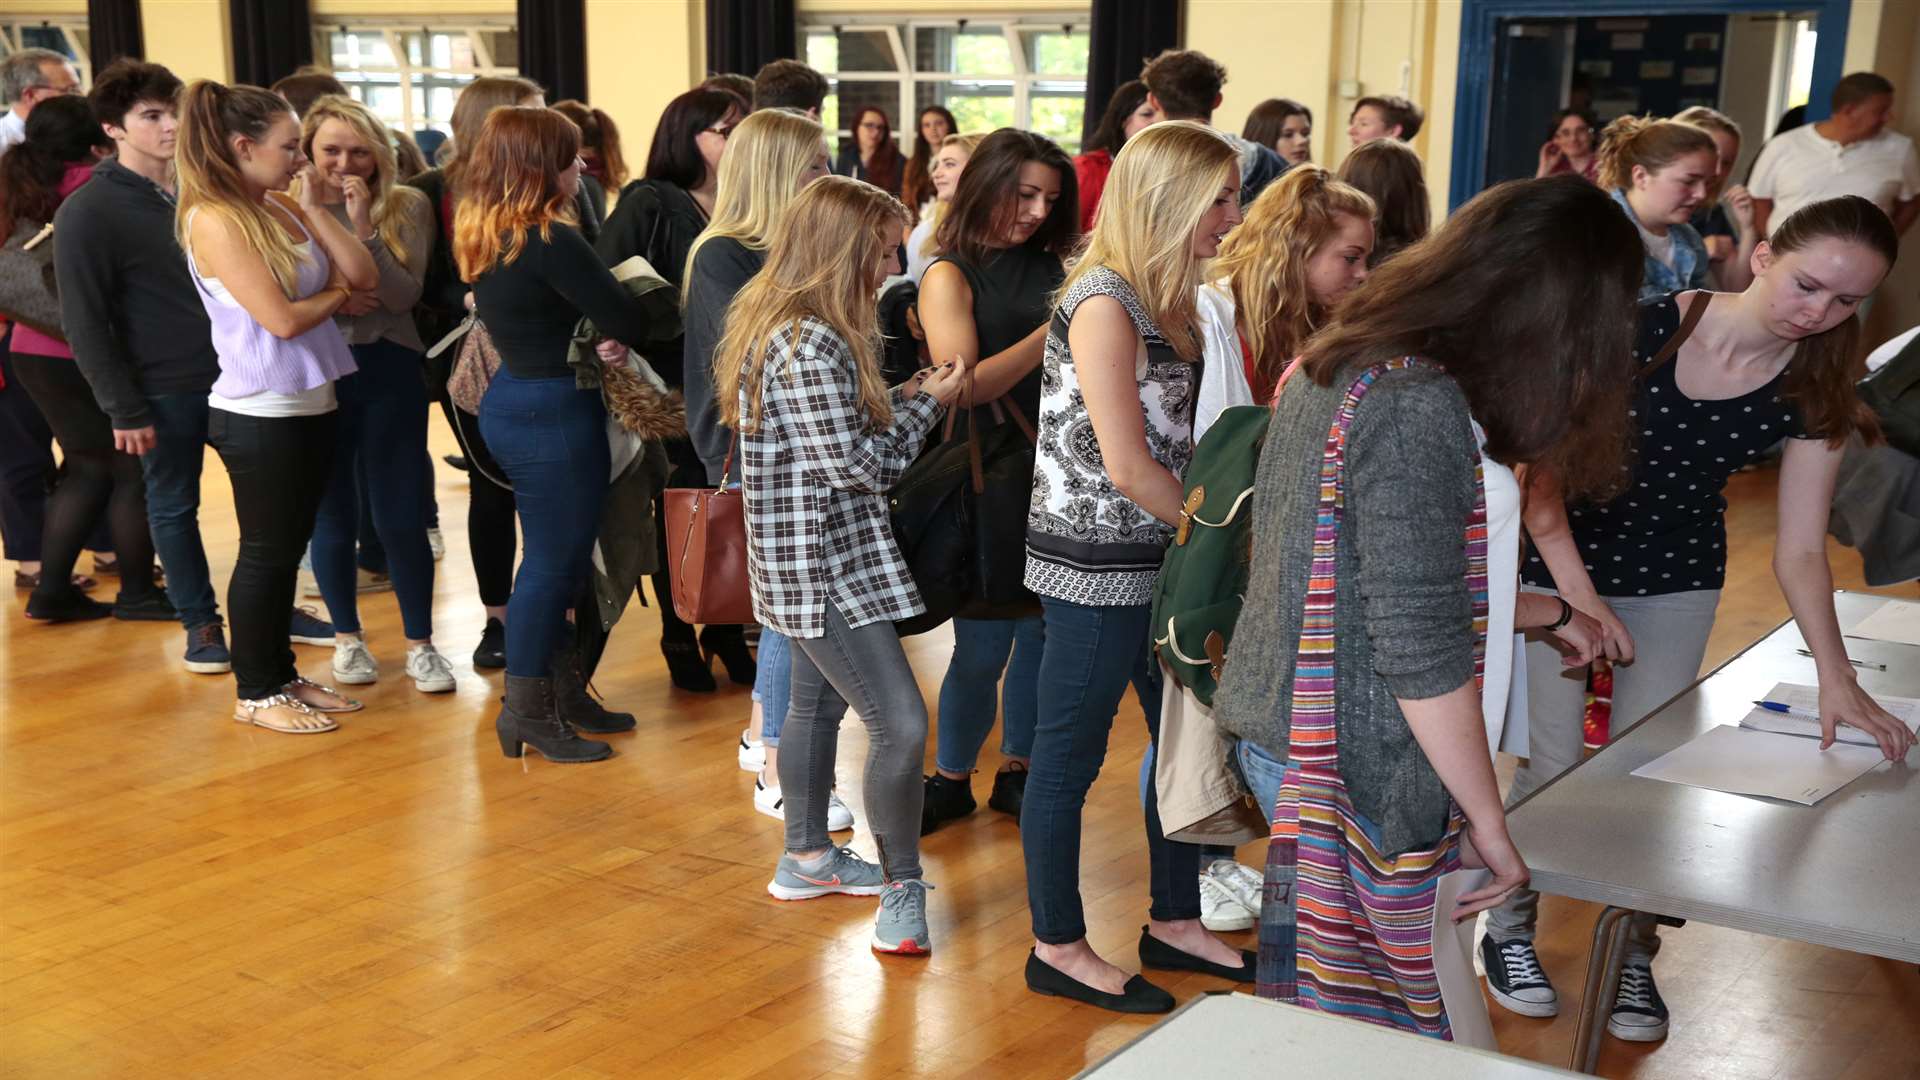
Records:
x=262, y=274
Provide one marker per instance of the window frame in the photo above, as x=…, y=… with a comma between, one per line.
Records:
x=391, y=30
x=898, y=30
x=74, y=27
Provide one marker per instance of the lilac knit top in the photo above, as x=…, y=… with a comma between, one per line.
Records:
x=252, y=360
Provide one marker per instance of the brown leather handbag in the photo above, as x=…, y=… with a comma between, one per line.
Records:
x=707, y=548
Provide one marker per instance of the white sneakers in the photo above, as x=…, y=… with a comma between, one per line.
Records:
x=352, y=663
x=1230, y=896
x=429, y=670
x=752, y=753
x=767, y=800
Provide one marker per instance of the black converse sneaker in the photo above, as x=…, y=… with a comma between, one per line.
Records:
x=1515, y=977
x=1638, y=1013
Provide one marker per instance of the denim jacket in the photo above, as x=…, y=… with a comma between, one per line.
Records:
x=1689, y=269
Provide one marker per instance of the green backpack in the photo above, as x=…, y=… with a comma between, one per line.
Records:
x=1196, y=598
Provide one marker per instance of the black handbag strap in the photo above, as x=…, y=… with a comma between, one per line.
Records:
x=1695, y=308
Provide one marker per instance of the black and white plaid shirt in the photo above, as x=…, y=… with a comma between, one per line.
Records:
x=815, y=479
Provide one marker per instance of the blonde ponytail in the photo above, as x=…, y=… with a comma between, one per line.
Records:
x=209, y=178
x=1649, y=143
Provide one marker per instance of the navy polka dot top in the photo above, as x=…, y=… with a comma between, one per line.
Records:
x=1667, y=531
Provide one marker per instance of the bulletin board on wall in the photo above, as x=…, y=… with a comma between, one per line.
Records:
x=1655, y=65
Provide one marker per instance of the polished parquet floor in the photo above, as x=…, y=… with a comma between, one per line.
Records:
x=183, y=896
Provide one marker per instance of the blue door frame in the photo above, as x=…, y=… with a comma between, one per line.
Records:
x=1480, y=19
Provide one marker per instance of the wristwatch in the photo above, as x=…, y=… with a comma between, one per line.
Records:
x=1566, y=614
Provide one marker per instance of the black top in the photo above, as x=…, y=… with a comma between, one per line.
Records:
x=1667, y=532
x=1714, y=222
x=1012, y=295
x=659, y=222
x=443, y=294
x=721, y=269
x=127, y=301
x=530, y=306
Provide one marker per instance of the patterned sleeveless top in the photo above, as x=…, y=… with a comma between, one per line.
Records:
x=1086, y=542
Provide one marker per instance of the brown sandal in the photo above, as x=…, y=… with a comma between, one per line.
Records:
x=283, y=714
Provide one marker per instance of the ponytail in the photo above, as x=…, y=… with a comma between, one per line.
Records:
x=209, y=175
x=1821, y=375
x=1649, y=143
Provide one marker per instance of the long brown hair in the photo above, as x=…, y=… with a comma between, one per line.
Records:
x=917, y=187
x=820, y=263
x=1541, y=343
x=1389, y=171
x=470, y=109
x=1264, y=261
x=512, y=184
x=983, y=198
x=1825, y=366
x=600, y=134
x=209, y=176
x=884, y=171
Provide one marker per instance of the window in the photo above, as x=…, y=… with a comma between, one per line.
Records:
x=409, y=74
x=1025, y=72
x=64, y=34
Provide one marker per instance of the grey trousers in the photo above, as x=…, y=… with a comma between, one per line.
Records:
x=1670, y=640
x=867, y=669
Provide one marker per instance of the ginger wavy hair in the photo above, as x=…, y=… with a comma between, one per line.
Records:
x=511, y=183
x=1165, y=178
x=1264, y=260
x=821, y=262
x=391, y=199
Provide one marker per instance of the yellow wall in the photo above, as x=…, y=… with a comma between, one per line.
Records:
x=1408, y=47
x=189, y=36
x=642, y=54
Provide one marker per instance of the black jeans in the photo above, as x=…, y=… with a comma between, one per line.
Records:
x=279, y=468
x=97, y=483
x=491, y=530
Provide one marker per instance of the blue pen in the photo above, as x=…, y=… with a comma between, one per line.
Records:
x=1781, y=707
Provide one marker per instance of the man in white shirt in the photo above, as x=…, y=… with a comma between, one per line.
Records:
x=27, y=78
x=1849, y=153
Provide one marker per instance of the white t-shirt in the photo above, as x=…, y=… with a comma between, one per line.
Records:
x=918, y=257
x=13, y=130
x=1503, y=591
x=1881, y=356
x=1223, y=371
x=1804, y=166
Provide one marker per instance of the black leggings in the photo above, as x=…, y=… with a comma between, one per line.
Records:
x=96, y=480
x=491, y=535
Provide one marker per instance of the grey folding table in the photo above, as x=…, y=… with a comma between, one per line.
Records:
x=1844, y=873
x=1228, y=1036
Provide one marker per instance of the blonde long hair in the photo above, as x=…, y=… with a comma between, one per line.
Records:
x=969, y=142
x=1264, y=260
x=391, y=199
x=759, y=176
x=1162, y=183
x=209, y=177
x=820, y=263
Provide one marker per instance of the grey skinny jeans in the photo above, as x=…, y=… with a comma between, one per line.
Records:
x=1669, y=642
x=866, y=668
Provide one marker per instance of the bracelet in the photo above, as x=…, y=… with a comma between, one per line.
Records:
x=1566, y=614
x=346, y=294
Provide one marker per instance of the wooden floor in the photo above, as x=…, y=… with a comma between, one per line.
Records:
x=183, y=896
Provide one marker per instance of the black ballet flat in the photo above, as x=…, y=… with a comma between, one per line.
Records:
x=1139, y=996
x=1161, y=956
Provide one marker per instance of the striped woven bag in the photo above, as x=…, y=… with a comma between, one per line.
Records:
x=1362, y=933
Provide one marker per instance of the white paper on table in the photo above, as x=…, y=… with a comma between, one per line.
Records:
x=1896, y=621
x=1800, y=696
x=1746, y=762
